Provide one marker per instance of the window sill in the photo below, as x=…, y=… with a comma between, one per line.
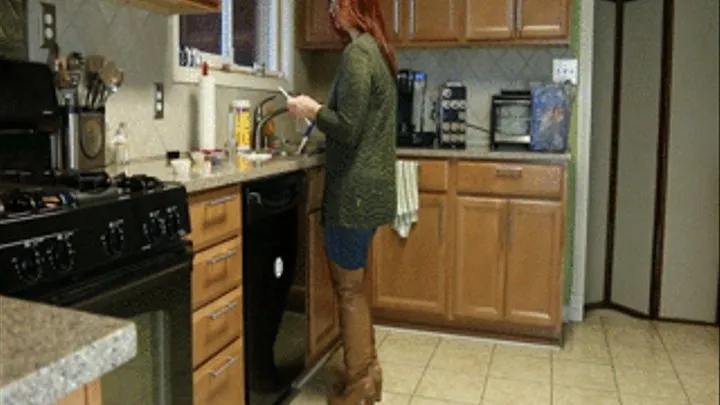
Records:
x=234, y=79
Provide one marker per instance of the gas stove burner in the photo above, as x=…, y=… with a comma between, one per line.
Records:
x=83, y=181
x=138, y=182
x=23, y=201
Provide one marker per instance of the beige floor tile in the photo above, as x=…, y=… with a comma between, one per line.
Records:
x=416, y=400
x=403, y=347
x=525, y=368
x=611, y=317
x=592, y=352
x=695, y=363
x=593, y=317
x=462, y=356
x=628, y=399
x=702, y=390
x=650, y=383
x=688, y=338
x=454, y=387
x=584, y=375
x=642, y=335
x=401, y=378
x=649, y=357
x=513, y=392
x=523, y=350
x=576, y=396
x=391, y=398
x=310, y=397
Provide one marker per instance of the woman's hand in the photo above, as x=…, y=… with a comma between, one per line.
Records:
x=303, y=107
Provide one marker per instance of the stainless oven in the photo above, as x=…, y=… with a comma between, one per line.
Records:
x=155, y=294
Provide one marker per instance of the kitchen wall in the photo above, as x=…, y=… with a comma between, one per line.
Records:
x=137, y=41
x=485, y=70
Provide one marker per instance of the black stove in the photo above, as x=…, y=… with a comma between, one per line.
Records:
x=58, y=225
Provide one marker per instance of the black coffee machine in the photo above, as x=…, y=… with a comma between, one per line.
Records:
x=29, y=116
x=411, y=86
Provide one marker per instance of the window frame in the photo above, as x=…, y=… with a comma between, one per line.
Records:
x=240, y=76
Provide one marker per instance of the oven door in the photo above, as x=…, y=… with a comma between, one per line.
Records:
x=155, y=295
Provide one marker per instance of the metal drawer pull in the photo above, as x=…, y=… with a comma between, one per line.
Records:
x=217, y=259
x=221, y=312
x=509, y=171
x=228, y=363
x=221, y=200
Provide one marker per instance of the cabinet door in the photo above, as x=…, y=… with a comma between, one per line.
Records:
x=409, y=275
x=323, y=324
x=90, y=394
x=489, y=19
x=534, y=263
x=391, y=13
x=433, y=20
x=542, y=18
x=317, y=29
x=479, y=281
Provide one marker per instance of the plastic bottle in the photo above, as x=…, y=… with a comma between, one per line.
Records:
x=120, y=143
x=239, y=120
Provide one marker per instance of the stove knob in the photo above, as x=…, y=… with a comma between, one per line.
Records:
x=173, y=222
x=152, y=229
x=114, y=240
x=29, y=265
x=63, y=255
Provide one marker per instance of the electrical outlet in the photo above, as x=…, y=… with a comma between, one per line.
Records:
x=159, y=101
x=47, y=21
x=565, y=70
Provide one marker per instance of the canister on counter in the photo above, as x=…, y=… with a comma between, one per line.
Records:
x=239, y=123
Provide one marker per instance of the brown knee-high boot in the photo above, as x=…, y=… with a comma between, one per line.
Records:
x=357, y=336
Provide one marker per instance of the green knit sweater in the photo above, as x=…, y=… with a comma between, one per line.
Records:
x=359, y=123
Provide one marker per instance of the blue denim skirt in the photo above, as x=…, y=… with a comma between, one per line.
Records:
x=347, y=247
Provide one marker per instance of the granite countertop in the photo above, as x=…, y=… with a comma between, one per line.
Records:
x=236, y=172
x=483, y=154
x=48, y=352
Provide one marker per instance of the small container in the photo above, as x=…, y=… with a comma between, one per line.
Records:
x=239, y=131
x=120, y=142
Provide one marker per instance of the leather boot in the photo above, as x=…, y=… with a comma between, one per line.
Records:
x=357, y=336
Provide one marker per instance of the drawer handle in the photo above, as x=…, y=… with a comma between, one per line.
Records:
x=509, y=171
x=217, y=314
x=221, y=258
x=229, y=362
x=219, y=201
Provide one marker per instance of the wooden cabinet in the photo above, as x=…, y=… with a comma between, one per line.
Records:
x=217, y=320
x=423, y=23
x=517, y=21
x=90, y=394
x=175, y=6
x=323, y=321
x=485, y=256
x=410, y=276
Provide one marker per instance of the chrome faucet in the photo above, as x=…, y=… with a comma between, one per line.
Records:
x=259, y=120
x=257, y=130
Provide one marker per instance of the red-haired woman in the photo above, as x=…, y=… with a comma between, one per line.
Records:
x=359, y=122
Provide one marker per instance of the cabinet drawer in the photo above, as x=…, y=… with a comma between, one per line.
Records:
x=216, y=271
x=510, y=179
x=216, y=325
x=315, y=185
x=221, y=381
x=214, y=216
x=433, y=175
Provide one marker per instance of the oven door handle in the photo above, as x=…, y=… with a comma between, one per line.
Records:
x=229, y=362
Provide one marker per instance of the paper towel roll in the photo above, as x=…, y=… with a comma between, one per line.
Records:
x=206, y=112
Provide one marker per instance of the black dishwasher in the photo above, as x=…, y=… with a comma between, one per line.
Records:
x=275, y=334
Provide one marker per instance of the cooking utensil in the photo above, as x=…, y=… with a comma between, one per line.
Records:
x=93, y=65
x=287, y=97
x=305, y=137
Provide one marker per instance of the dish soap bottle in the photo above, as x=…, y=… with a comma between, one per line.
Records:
x=120, y=142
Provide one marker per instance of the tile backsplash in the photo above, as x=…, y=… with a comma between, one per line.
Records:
x=485, y=71
x=137, y=41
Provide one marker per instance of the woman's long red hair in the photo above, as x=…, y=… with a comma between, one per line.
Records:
x=366, y=17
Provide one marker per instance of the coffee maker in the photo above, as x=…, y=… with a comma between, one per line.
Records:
x=411, y=89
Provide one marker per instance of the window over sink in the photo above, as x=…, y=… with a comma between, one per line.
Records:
x=249, y=44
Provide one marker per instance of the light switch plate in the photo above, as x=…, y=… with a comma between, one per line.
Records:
x=48, y=24
x=159, y=101
x=565, y=70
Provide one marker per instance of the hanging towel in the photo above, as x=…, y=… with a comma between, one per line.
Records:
x=408, y=201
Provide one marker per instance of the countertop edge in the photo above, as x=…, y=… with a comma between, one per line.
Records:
x=485, y=155
x=53, y=382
